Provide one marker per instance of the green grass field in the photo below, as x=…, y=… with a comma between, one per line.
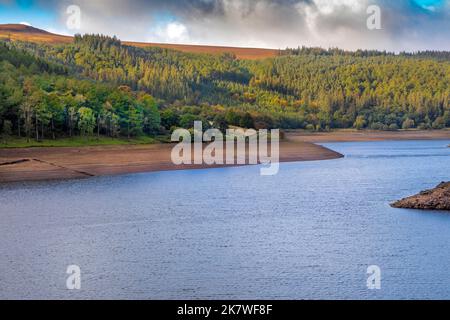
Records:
x=15, y=142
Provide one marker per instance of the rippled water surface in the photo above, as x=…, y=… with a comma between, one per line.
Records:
x=309, y=232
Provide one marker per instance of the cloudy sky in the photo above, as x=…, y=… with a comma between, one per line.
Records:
x=405, y=24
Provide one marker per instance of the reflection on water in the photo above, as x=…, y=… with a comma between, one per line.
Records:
x=309, y=232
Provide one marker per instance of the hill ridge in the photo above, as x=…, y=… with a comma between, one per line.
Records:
x=23, y=32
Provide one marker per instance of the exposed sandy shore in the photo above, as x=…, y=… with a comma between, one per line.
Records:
x=34, y=164
x=367, y=135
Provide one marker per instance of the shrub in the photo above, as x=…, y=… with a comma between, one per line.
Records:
x=408, y=124
x=393, y=127
x=6, y=131
x=439, y=123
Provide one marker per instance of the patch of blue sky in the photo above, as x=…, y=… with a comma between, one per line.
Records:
x=429, y=3
x=162, y=18
x=26, y=11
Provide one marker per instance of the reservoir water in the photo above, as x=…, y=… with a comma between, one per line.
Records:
x=309, y=232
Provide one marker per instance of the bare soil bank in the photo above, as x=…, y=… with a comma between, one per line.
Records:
x=367, y=135
x=34, y=164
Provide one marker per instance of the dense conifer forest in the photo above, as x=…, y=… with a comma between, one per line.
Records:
x=98, y=86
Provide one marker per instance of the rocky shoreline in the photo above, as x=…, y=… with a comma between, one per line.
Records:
x=434, y=199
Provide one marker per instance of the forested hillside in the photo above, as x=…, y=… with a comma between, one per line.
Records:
x=42, y=100
x=97, y=84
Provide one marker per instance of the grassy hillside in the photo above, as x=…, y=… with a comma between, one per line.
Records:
x=20, y=32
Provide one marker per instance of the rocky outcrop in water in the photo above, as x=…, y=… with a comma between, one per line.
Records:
x=434, y=199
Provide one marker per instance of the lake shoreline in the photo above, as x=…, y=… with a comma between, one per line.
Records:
x=43, y=164
x=63, y=163
x=351, y=135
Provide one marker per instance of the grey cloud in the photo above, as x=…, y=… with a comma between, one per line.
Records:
x=276, y=23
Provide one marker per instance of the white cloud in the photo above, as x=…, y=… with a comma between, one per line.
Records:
x=62, y=32
x=174, y=32
x=26, y=23
x=330, y=6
